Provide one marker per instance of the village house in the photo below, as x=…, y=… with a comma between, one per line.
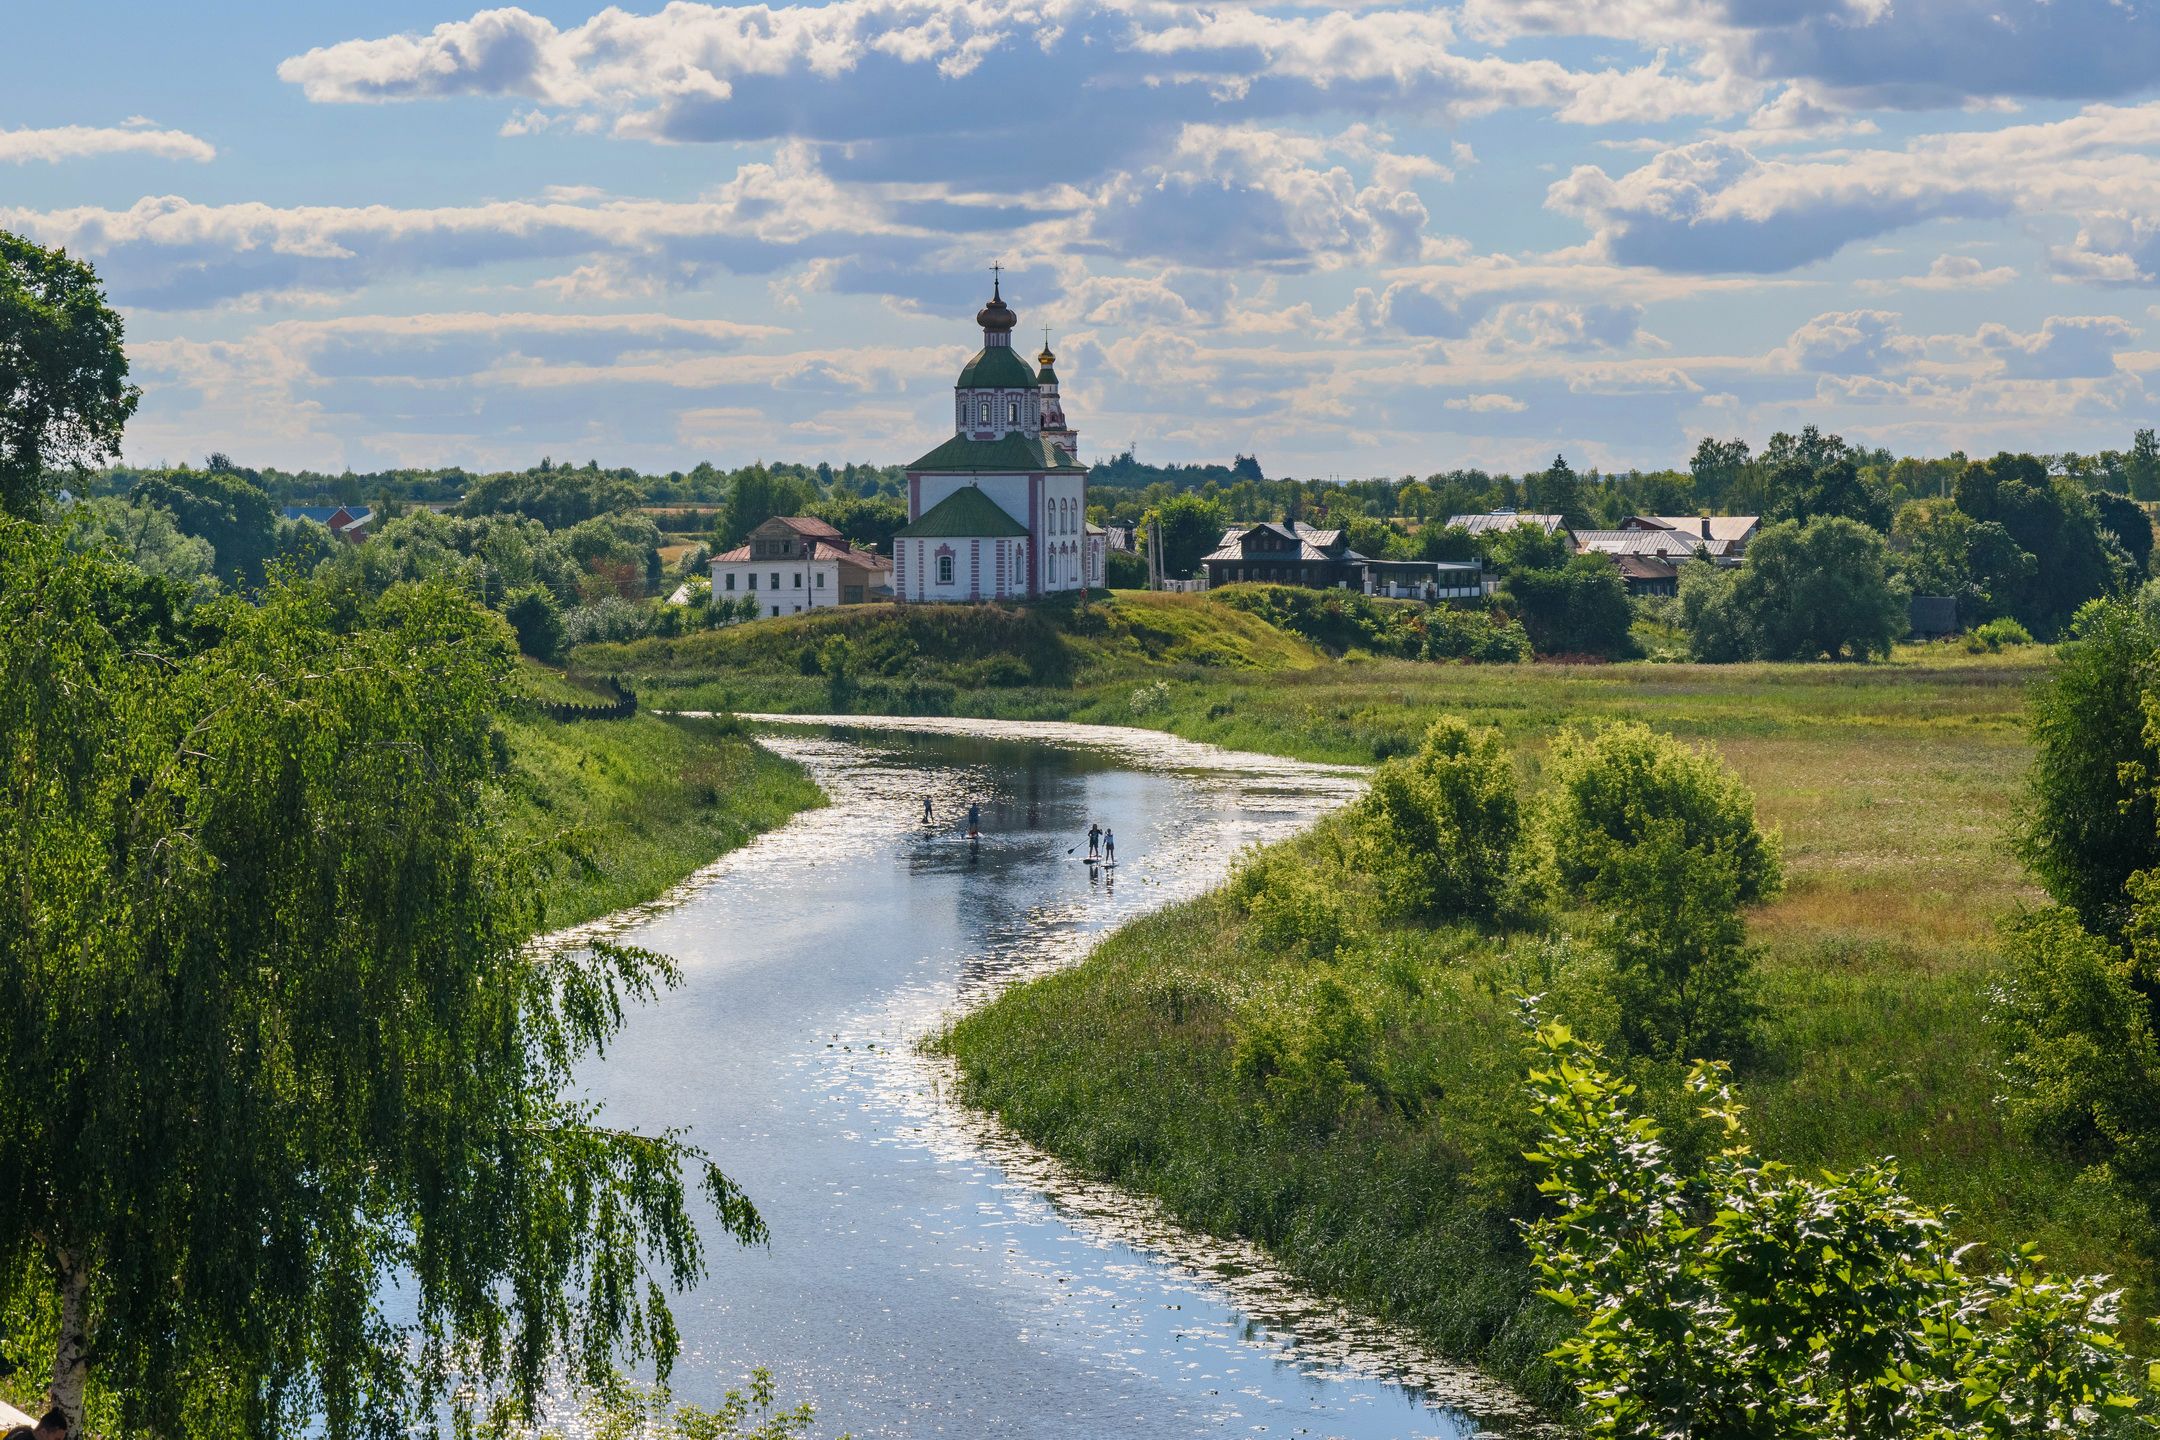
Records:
x=1650, y=549
x=347, y=522
x=793, y=563
x=1494, y=522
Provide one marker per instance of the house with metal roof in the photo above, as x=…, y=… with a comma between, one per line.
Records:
x=1495, y=521
x=999, y=510
x=347, y=522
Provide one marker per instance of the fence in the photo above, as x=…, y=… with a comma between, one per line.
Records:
x=621, y=708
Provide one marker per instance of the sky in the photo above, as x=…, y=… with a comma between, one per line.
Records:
x=1350, y=240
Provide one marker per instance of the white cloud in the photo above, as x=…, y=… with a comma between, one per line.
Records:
x=1948, y=272
x=1486, y=404
x=2065, y=347
x=1852, y=342
x=83, y=142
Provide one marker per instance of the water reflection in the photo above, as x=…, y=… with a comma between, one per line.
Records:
x=928, y=1274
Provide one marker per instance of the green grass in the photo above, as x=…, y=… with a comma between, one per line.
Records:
x=620, y=810
x=1893, y=785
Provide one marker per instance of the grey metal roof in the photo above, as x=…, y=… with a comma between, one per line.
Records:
x=1507, y=520
x=1671, y=543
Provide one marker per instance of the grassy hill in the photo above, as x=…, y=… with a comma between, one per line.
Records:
x=938, y=659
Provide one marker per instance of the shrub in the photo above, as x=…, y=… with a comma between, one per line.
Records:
x=1437, y=831
x=2080, y=1059
x=1124, y=570
x=1661, y=838
x=1580, y=608
x=2089, y=812
x=1997, y=633
x=1309, y=1049
x=1822, y=590
x=533, y=613
x=608, y=618
x=1150, y=699
x=1475, y=635
x=1738, y=1298
x=1293, y=913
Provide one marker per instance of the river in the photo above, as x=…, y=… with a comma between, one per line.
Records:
x=928, y=1275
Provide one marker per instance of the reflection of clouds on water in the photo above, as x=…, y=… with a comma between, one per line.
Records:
x=1115, y=1321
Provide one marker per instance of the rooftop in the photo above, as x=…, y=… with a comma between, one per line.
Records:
x=1012, y=454
x=967, y=513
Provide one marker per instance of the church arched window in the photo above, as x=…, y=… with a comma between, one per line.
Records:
x=1012, y=412
x=982, y=412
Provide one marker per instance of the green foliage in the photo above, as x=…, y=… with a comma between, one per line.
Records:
x=2050, y=518
x=1308, y=1048
x=1737, y=1298
x=2075, y=1019
x=1822, y=590
x=2127, y=522
x=1340, y=621
x=1125, y=570
x=1581, y=608
x=1660, y=839
x=1292, y=911
x=1437, y=831
x=755, y=495
x=2089, y=818
x=655, y=1414
x=1817, y=476
x=64, y=396
x=1944, y=551
x=1557, y=490
x=223, y=508
x=145, y=537
x=1996, y=633
x=278, y=1037
x=557, y=496
x=1190, y=528
x=537, y=619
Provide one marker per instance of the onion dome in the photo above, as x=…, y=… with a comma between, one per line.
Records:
x=1047, y=375
x=996, y=317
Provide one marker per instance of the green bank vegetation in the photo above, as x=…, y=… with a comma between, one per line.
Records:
x=1389, y=1167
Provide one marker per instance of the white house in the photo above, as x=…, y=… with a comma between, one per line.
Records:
x=793, y=563
x=999, y=510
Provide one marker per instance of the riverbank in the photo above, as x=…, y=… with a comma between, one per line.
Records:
x=1892, y=784
x=617, y=811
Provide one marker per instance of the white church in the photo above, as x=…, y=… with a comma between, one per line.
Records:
x=999, y=511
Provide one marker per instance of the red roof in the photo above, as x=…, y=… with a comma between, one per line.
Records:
x=822, y=550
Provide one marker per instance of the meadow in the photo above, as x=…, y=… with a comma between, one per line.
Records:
x=1892, y=784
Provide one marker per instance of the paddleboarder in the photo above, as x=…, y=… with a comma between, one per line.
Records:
x=974, y=820
x=926, y=809
x=1109, y=847
x=1094, y=842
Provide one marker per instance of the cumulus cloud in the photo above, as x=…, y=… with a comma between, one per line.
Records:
x=1853, y=342
x=1949, y=272
x=1714, y=205
x=2065, y=347
x=1485, y=404
x=898, y=86
x=83, y=142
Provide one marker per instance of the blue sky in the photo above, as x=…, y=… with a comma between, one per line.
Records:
x=1352, y=240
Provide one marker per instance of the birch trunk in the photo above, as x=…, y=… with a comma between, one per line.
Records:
x=71, y=1360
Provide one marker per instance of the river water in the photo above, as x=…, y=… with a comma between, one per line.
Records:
x=928, y=1275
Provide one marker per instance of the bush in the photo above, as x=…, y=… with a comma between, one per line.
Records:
x=1437, y=831
x=1475, y=635
x=1123, y=570
x=1294, y=914
x=1822, y=590
x=1580, y=608
x=1661, y=839
x=608, y=618
x=533, y=613
x=2090, y=814
x=1739, y=1298
x=1997, y=633
x=1309, y=1048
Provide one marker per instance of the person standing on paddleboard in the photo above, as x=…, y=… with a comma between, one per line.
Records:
x=926, y=809
x=1109, y=847
x=974, y=819
x=1094, y=842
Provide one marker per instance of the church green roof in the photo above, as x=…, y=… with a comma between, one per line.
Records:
x=1008, y=455
x=966, y=513
x=996, y=367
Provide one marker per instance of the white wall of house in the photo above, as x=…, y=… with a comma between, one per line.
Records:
x=782, y=587
x=960, y=568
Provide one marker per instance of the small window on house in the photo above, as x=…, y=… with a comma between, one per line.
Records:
x=776, y=612
x=944, y=570
x=775, y=579
x=798, y=579
x=753, y=580
x=731, y=580
x=821, y=580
